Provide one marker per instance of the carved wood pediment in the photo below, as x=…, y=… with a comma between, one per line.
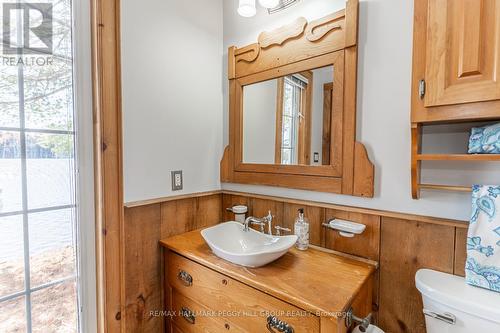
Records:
x=293, y=42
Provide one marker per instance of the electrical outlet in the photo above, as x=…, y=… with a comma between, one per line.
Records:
x=177, y=180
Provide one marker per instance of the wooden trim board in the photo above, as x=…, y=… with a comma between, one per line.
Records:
x=108, y=164
x=170, y=198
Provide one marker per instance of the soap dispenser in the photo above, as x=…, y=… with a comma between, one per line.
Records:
x=301, y=229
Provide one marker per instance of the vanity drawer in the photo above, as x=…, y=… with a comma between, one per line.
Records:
x=246, y=306
x=192, y=317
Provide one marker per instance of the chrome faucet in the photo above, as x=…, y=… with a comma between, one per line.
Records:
x=262, y=222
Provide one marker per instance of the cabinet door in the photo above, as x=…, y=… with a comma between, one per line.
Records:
x=463, y=51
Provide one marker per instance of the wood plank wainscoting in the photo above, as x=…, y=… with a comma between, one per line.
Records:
x=402, y=243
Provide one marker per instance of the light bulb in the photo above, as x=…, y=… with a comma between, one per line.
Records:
x=247, y=8
x=269, y=3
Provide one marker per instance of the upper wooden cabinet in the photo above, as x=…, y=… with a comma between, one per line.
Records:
x=456, y=59
x=462, y=52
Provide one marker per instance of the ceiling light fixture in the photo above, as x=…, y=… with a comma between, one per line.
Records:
x=247, y=8
x=269, y=3
x=282, y=5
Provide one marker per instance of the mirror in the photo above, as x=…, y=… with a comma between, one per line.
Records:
x=292, y=108
x=287, y=120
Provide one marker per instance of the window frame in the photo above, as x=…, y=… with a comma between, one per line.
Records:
x=301, y=146
x=83, y=204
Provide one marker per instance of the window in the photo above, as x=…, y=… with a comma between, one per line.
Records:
x=294, y=115
x=40, y=205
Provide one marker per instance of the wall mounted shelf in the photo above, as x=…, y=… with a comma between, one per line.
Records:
x=458, y=157
x=418, y=157
x=445, y=187
x=453, y=79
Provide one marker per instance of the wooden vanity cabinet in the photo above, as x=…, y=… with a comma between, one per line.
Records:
x=243, y=307
x=456, y=57
x=207, y=294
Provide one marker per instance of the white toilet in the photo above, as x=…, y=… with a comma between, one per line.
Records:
x=451, y=305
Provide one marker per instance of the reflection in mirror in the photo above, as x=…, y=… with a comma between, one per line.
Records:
x=287, y=120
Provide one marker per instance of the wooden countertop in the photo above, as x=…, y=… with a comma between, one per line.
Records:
x=316, y=281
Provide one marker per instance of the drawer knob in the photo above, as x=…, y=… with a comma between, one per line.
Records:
x=188, y=315
x=224, y=282
x=185, y=277
x=276, y=325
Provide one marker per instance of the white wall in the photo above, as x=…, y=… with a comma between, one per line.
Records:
x=385, y=52
x=175, y=115
x=259, y=122
x=172, y=95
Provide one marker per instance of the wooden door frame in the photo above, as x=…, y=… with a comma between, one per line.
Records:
x=304, y=145
x=279, y=119
x=327, y=118
x=109, y=211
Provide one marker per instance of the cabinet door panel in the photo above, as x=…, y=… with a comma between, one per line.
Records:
x=463, y=41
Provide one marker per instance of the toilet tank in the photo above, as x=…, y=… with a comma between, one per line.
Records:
x=452, y=306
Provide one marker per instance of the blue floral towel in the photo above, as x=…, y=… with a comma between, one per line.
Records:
x=485, y=140
x=483, y=242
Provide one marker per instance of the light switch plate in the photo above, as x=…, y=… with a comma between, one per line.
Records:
x=316, y=157
x=177, y=183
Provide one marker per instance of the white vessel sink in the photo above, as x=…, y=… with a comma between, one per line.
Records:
x=246, y=248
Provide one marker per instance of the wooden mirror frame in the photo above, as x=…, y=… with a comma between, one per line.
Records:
x=298, y=47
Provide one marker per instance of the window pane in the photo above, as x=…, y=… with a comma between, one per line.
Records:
x=13, y=315
x=50, y=170
x=11, y=255
x=54, y=309
x=288, y=100
x=287, y=132
x=10, y=172
x=49, y=103
x=48, y=88
x=52, y=246
x=9, y=98
x=38, y=95
x=286, y=157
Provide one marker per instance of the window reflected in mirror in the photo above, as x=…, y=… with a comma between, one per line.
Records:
x=287, y=120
